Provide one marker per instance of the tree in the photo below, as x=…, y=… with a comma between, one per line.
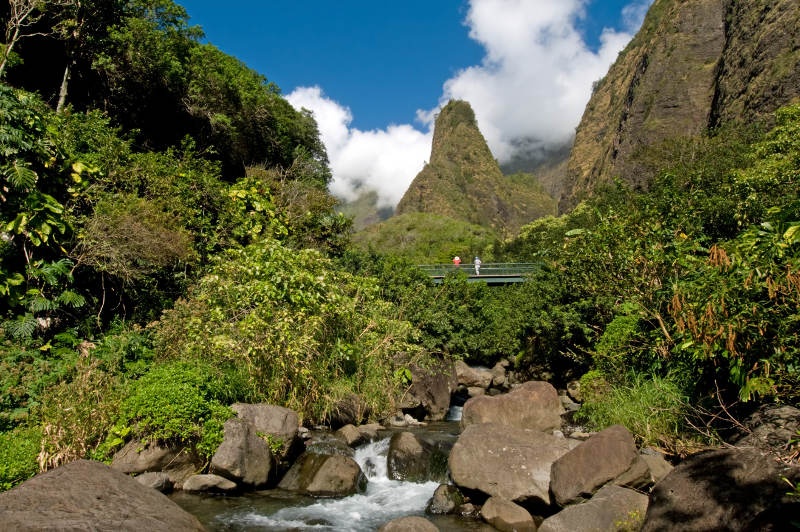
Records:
x=23, y=16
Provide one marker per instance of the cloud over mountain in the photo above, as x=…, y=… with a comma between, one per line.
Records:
x=530, y=90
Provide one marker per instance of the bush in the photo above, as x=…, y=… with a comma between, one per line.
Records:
x=652, y=408
x=18, y=455
x=176, y=402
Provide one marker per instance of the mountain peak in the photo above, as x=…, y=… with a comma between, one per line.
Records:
x=463, y=180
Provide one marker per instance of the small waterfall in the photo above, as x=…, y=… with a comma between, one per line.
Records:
x=384, y=500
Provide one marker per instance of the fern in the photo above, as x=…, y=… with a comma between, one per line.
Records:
x=18, y=175
x=73, y=299
x=21, y=327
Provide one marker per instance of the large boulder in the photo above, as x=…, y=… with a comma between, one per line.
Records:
x=277, y=424
x=414, y=459
x=411, y=523
x=87, y=495
x=611, y=508
x=723, y=489
x=506, y=516
x=470, y=377
x=324, y=475
x=600, y=459
x=532, y=405
x=243, y=456
x=445, y=500
x=428, y=397
x=506, y=462
x=209, y=484
x=178, y=462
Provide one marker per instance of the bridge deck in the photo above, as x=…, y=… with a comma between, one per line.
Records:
x=490, y=272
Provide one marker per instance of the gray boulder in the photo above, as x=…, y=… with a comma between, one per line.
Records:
x=532, y=405
x=209, y=483
x=445, y=500
x=428, y=397
x=469, y=377
x=723, y=489
x=350, y=435
x=179, y=463
x=323, y=475
x=506, y=516
x=414, y=459
x=600, y=459
x=243, y=456
x=506, y=462
x=156, y=480
x=611, y=508
x=277, y=424
x=409, y=524
x=87, y=495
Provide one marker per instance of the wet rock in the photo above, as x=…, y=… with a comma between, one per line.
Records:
x=324, y=476
x=414, y=459
x=445, y=500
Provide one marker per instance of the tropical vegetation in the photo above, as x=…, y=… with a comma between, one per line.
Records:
x=168, y=247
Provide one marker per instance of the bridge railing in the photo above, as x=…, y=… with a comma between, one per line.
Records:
x=498, y=269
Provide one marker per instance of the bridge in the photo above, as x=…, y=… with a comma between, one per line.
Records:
x=492, y=273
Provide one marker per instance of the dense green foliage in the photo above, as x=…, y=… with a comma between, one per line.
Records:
x=152, y=274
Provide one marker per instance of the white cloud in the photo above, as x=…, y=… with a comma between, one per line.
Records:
x=385, y=161
x=532, y=84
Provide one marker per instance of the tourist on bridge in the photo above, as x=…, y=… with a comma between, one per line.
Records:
x=457, y=261
x=477, y=263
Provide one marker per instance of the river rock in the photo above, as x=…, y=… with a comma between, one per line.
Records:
x=445, y=500
x=506, y=462
x=209, y=483
x=532, y=405
x=349, y=410
x=350, y=435
x=243, y=456
x=506, y=516
x=587, y=467
x=87, y=495
x=156, y=480
x=611, y=508
x=414, y=459
x=278, y=424
x=723, y=489
x=324, y=476
x=409, y=524
x=468, y=376
x=178, y=462
x=428, y=397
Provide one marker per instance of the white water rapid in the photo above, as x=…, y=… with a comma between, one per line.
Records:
x=383, y=501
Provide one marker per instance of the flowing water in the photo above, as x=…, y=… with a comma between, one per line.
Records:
x=383, y=500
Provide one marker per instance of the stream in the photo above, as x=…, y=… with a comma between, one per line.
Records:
x=383, y=500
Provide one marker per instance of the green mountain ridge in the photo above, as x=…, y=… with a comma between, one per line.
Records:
x=694, y=66
x=463, y=180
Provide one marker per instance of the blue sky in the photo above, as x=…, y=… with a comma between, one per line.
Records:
x=374, y=73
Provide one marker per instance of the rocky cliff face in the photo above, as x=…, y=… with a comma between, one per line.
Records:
x=694, y=64
x=463, y=180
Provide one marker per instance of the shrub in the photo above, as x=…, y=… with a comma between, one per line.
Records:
x=652, y=408
x=177, y=402
x=18, y=455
